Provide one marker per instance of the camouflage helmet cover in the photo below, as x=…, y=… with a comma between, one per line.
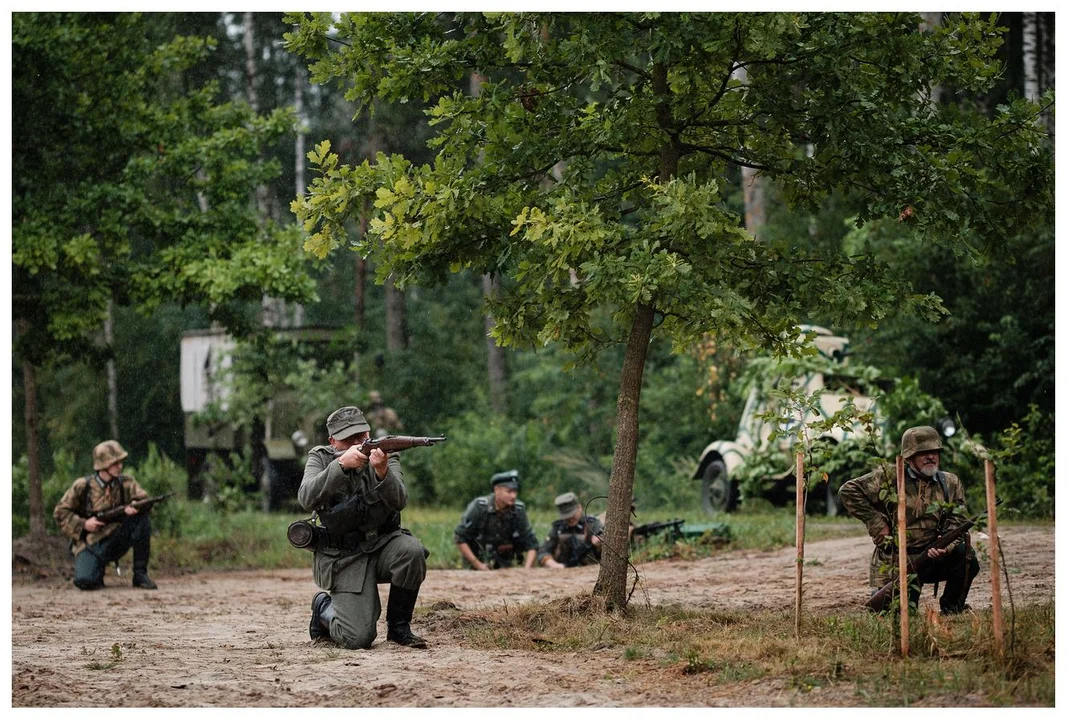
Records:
x=107, y=454
x=919, y=439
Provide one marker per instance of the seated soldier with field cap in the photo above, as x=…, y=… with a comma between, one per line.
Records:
x=574, y=539
x=494, y=531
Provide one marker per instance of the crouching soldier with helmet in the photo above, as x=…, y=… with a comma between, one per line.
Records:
x=96, y=543
x=359, y=499
x=934, y=505
x=494, y=531
x=574, y=539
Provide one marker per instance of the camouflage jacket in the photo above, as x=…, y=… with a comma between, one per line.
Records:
x=570, y=544
x=87, y=496
x=482, y=524
x=868, y=499
x=325, y=484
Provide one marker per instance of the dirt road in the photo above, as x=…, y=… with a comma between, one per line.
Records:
x=240, y=639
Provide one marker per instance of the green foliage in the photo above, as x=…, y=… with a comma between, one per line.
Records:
x=228, y=480
x=66, y=469
x=1026, y=469
x=158, y=475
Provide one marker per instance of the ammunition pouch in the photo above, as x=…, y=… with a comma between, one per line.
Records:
x=344, y=517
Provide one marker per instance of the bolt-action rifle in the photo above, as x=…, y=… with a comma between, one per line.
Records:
x=882, y=598
x=396, y=443
x=114, y=514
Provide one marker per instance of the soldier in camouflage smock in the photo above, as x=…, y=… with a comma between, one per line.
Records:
x=94, y=543
x=934, y=505
x=574, y=539
x=494, y=531
x=359, y=499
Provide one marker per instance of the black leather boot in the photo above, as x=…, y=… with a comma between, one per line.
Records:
x=322, y=613
x=399, y=611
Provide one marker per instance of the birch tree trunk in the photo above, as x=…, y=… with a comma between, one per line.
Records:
x=752, y=184
x=615, y=554
x=1030, y=56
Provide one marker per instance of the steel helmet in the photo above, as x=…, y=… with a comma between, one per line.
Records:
x=919, y=439
x=107, y=454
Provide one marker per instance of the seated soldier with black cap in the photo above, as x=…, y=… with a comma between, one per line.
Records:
x=574, y=539
x=494, y=531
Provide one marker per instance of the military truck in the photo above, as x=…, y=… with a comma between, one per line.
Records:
x=278, y=443
x=720, y=461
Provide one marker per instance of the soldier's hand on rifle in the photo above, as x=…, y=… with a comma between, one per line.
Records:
x=380, y=462
x=130, y=510
x=353, y=459
x=93, y=524
x=935, y=553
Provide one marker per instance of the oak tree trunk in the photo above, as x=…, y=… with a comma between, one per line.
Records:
x=615, y=553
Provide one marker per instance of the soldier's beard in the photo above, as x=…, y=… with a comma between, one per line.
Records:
x=927, y=470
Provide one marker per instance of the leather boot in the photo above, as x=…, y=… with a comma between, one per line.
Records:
x=141, y=578
x=322, y=613
x=399, y=611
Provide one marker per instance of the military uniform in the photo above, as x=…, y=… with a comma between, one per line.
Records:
x=498, y=538
x=926, y=519
x=92, y=494
x=372, y=548
x=570, y=544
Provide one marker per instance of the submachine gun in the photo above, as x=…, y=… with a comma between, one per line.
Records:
x=306, y=534
x=881, y=599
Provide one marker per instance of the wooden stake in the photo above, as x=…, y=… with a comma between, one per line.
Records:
x=902, y=558
x=800, y=541
x=995, y=558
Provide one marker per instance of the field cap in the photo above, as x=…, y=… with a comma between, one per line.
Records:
x=508, y=478
x=566, y=504
x=346, y=422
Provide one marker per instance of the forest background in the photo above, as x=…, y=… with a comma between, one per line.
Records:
x=165, y=208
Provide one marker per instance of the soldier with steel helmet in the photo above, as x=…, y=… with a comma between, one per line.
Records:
x=494, y=531
x=934, y=505
x=94, y=542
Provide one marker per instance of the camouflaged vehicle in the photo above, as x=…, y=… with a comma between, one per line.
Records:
x=721, y=461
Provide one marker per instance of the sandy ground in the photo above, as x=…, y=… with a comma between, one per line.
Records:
x=239, y=639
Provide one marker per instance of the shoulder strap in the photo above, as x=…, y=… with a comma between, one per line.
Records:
x=86, y=510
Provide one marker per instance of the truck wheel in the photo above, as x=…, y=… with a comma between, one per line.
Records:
x=719, y=493
x=270, y=486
